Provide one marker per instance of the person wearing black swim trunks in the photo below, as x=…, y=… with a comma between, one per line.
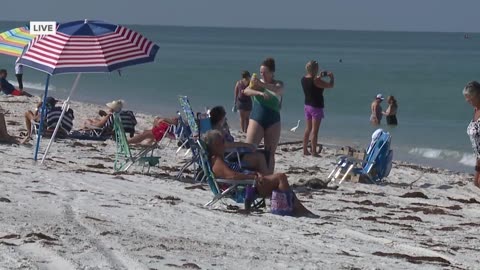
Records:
x=265, y=117
x=243, y=103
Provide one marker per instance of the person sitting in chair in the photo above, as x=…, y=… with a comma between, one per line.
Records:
x=113, y=107
x=8, y=88
x=265, y=185
x=252, y=158
x=36, y=114
x=51, y=118
x=157, y=133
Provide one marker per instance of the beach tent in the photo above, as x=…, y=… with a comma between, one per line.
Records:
x=85, y=46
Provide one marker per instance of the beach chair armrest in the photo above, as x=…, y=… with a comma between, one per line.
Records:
x=236, y=182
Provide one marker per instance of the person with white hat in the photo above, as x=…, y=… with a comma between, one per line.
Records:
x=376, y=115
x=113, y=107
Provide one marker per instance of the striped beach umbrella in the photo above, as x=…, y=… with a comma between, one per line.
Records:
x=88, y=46
x=13, y=41
x=85, y=47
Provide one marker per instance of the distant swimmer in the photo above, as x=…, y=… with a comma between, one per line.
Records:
x=466, y=36
x=376, y=116
x=340, y=60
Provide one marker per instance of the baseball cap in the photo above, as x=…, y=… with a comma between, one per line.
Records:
x=380, y=96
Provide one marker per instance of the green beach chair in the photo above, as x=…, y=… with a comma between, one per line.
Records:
x=225, y=188
x=124, y=158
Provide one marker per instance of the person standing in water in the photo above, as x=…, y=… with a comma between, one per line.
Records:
x=243, y=103
x=313, y=87
x=376, y=115
x=391, y=112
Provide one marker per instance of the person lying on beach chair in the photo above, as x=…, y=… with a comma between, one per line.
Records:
x=265, y=185
x=249, y=157
x=8, y=88
x=161, y=128
x=99, y=122
x=4, y=136
x=101, y=129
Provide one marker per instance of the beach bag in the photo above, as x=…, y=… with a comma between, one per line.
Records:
x=282, y=202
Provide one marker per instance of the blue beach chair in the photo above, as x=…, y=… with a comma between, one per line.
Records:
x=374, y=168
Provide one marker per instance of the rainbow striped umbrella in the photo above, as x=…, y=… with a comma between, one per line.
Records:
x=12, y=42
x=85, y=47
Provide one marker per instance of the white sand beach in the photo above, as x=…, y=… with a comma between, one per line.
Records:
x=73, y=213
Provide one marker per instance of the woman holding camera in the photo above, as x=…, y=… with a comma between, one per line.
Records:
x=313, y=87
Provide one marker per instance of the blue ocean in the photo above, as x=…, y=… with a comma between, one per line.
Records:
x=426, y=73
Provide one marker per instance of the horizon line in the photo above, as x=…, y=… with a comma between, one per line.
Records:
x=281, y=28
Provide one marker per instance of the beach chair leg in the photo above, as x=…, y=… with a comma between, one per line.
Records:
x=126, y=166
x=220, y=196
x=330, y=177
x=183, y=168
x=346, y=173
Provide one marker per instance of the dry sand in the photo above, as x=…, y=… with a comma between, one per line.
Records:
x=73, y=213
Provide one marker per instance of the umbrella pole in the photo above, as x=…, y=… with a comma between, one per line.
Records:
x=65, y=107
x=40, y=128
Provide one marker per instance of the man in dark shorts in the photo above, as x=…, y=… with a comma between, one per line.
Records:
x=8, y=88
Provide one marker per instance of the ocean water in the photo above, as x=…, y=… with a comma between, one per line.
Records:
x=426, y=72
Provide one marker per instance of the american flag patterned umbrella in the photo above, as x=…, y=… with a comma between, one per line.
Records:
x=85, y=47
x=88, y=46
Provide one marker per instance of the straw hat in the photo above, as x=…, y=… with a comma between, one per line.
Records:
x=115, y=105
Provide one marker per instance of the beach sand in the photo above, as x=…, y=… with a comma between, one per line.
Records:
x=73, y=213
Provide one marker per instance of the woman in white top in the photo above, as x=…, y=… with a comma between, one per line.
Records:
x=472, y=96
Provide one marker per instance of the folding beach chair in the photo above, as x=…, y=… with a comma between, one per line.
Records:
x=225, y=188
x=107, y=131
x=197, y=127
x=51, y=120
x=373, y=168
x=124, y=158
x=190, y=141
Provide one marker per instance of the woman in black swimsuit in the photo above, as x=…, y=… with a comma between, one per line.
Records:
x=391, y=112
x=243, y=103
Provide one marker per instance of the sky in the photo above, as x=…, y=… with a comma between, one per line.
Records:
x=388, y=15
